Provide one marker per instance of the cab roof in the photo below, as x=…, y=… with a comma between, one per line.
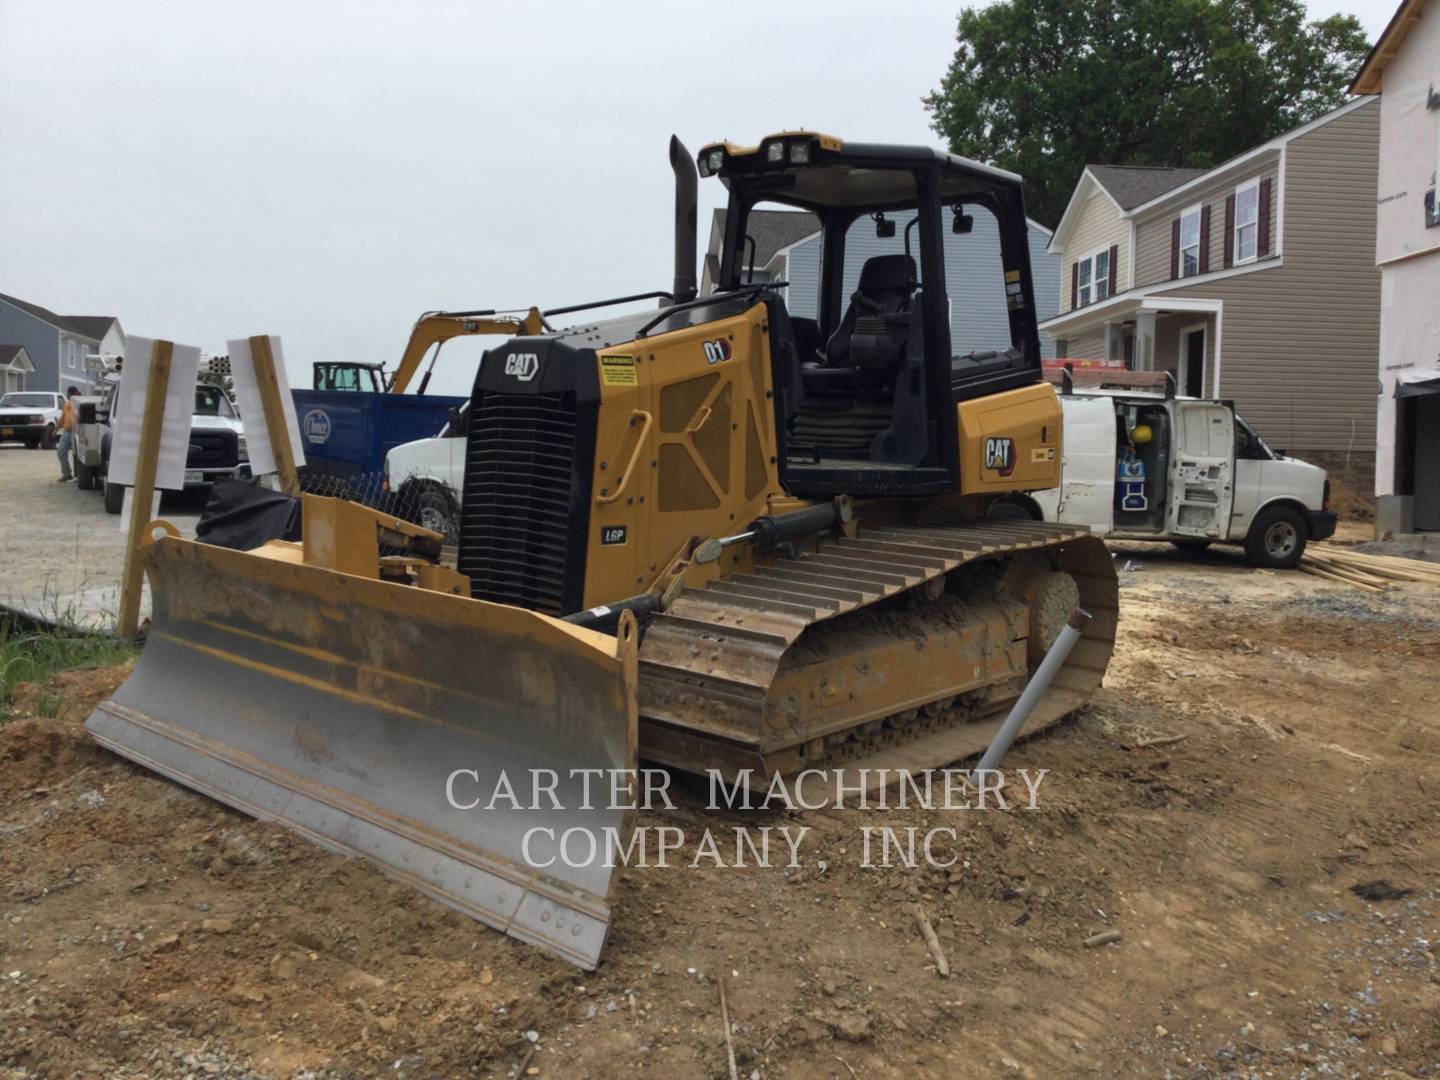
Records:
x=813, y=170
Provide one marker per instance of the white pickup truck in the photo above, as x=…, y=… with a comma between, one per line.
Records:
x=1204, y=475
x=424, y=478
x=31, y=417
x=217, y=448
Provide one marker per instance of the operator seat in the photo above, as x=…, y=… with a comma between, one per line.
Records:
x=870, y=339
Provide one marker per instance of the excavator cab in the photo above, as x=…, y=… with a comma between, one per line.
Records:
x=867, y=390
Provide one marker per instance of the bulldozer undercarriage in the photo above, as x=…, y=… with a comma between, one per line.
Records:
x=897, y=649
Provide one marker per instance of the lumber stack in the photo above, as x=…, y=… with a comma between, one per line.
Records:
x=1373, y=573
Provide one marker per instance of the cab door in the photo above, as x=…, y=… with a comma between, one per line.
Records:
x=1202, y=470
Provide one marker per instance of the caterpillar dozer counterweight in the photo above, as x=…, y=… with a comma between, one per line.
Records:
x=733, y=535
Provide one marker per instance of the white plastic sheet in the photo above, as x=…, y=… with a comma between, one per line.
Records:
x=252, y=412
x=130, y=414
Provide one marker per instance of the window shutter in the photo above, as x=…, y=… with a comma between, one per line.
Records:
x=1074, y=285
x=1114, y=259
x=1205, y=239
x=1262, y=238
x=1175, y=249
x=1229, y=231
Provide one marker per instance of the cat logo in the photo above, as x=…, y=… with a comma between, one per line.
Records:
x=1000, y=455
x=522, y=365
x=717, y=351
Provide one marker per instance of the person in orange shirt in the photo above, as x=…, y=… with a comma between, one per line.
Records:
x=67, y=434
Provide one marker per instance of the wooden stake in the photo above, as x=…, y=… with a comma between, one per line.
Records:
x=932, y=942
x=273, y=407
x=142, y=495
x=729, y=1041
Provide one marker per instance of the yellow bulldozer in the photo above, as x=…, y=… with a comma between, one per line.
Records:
x=714, y=536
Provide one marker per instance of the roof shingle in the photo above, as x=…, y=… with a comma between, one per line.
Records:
x=1132, y=185
x=90, y=326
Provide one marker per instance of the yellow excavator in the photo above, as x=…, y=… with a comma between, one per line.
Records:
x=714, y=535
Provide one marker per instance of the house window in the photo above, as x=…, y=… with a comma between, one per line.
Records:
x=1190, y=242
x=70, y=353
x=1247, y=222
x=1092, y=279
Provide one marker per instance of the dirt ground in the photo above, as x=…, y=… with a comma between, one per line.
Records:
x=64, y=554
x=1272, y=877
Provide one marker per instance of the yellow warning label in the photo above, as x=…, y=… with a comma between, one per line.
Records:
x=1042, y=453
x=1012, y=276
x=618, y=371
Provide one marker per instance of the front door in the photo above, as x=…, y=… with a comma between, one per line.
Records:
x=1192, y=361
x=1427, y=463
x=1202, y=470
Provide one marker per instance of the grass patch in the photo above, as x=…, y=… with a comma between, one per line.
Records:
x=34, y=654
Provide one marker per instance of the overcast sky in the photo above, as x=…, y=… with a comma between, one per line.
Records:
x=327, y=171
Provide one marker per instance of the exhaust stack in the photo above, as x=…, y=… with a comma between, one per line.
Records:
x=687, y=180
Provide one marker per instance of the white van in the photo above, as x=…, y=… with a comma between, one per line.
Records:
x=1203, y=476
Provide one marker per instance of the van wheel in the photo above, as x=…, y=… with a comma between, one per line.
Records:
x=1276, y=539
x=85, y=478
x=114, y=497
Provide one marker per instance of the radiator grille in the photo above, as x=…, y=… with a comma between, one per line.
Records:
x=212, y=450
x=516, y=525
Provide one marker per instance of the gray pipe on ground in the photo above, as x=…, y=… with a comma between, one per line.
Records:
x=1034, y=690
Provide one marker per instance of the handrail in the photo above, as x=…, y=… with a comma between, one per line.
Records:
x=701, y=301
x=657, y=295
x=634, y=457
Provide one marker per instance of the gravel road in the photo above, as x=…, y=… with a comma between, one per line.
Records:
x=63, y=553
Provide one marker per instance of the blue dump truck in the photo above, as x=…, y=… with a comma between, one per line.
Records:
x=351, y=421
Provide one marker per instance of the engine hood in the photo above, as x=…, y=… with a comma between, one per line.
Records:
x=205, y=422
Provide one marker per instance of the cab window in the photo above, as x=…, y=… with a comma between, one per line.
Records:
x=211, y=401
x=1248, y=444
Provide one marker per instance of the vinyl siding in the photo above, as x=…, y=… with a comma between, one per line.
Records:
x=1153, y=231
x=41, y=342
x=1099, y=225
x=1089, y=345
x=973, y=277
x=1300, y=341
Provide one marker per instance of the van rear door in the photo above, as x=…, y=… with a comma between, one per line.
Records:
x=1087, y=474
x=1202, y=470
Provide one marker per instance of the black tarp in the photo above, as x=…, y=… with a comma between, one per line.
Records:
x=243, y=515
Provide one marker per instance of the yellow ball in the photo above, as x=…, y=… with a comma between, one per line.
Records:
x=1140, y=434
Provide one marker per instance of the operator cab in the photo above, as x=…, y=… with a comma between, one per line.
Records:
x=867, y=390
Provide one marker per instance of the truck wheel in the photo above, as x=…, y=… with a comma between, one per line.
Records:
x=85, y=478
x=1276, y=539
x=1011, y=511
x=50, y=437
x=433, y=510
x=114, y=497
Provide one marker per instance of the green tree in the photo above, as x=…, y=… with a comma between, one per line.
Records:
x=1045, y=87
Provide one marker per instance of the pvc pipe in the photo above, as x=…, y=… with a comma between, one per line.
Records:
x=1035, y=689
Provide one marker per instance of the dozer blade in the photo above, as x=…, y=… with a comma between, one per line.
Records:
x=341, y=706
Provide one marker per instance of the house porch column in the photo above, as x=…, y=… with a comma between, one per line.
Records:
x=1145, y=341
